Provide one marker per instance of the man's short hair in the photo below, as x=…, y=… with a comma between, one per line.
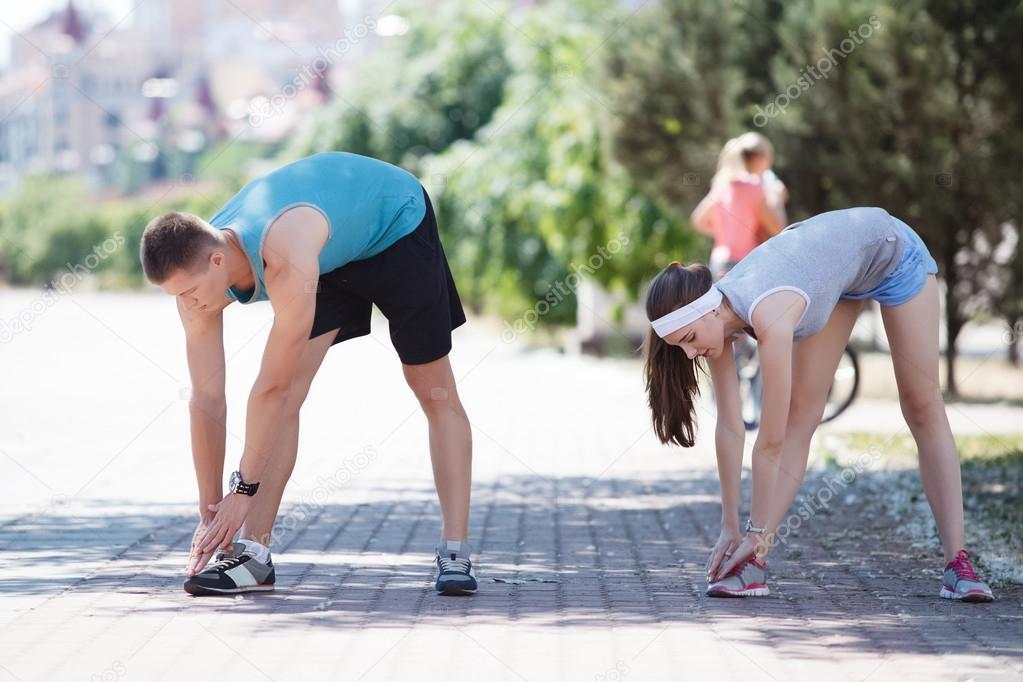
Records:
x=172, y=242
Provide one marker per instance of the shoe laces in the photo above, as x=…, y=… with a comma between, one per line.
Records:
x=452, y=564
x=739, y=568
x=224, y=562
x=962, y=566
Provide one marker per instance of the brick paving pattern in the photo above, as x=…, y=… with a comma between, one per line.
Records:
x=590, y=537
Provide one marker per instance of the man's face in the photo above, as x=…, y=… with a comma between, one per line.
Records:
x=200, y=289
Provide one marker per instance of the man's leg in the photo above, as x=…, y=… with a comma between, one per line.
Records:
x=450, y=442
x=259, y=523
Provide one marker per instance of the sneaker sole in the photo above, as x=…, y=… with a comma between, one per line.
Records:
x=454, y=590
x=201, y=591
x=733, y=594
x=969, y=597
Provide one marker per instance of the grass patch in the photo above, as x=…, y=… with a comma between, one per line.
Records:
x=992, y=475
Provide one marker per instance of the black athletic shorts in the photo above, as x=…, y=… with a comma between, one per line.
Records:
x=409, y=282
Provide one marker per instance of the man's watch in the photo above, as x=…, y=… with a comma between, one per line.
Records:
x=750, y=528
x=237, y=485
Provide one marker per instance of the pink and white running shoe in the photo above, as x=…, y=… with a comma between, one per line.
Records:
x=961, y=582
x=748, y=579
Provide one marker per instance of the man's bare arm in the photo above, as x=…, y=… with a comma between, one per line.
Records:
x=207, y=411
x=292, y=292
x=291, y=253
x=292, y=272
x=207, y=405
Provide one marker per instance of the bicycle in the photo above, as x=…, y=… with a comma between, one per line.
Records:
x=841, y=394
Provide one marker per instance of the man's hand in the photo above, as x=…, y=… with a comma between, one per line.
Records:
x=197, y=560
x=230, y=515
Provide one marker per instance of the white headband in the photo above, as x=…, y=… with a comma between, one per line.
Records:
x=687, y=314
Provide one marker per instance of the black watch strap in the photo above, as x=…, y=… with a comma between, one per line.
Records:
x=239, y=486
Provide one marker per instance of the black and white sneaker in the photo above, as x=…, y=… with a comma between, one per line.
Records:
x=454, y=569
x=233, y=572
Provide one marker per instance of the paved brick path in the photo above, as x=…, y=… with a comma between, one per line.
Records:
x=591, y=537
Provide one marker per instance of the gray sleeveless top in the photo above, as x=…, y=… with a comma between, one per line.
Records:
x=840, y=252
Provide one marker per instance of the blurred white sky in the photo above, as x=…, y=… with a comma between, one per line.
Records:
x=18, y=15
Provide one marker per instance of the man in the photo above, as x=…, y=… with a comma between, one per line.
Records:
x=323, y=239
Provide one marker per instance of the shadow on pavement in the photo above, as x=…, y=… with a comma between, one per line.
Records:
x=568, y=552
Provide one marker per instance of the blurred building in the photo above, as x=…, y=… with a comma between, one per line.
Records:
x=70, y=100
x=83, y=94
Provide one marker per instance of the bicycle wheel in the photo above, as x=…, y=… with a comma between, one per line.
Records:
x=844, y=386
x=751, y=390
x=751, y=393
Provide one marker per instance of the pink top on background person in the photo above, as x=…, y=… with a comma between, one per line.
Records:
x=746, y=202
x=733, y=217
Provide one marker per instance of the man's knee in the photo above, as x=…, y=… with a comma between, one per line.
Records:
x=297, y=394
x=435, y=398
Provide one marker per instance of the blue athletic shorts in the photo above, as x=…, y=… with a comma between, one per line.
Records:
x=908, y=277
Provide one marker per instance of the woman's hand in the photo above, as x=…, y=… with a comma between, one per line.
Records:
x=754, y=545
x=726, y=545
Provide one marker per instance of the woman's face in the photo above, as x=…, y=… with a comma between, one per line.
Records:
x=705, y=337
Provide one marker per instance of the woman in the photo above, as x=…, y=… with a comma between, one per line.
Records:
x=798, y=295
x=746, y=202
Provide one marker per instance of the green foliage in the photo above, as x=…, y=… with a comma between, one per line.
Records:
x=536, y=196
x=50, y=227
x=557, y=136
x=913, y=106
x=672, y=85
x=228, y=162
x=44, y=228
x=437, y=84
x=992, y=480
x=923, y=118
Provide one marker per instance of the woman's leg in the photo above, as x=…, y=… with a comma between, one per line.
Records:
x=814, y=361
x=912, y=330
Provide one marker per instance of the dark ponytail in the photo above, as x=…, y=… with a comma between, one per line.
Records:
x=671, y=381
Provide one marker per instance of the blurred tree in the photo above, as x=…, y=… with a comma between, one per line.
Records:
x=230, y=162
x=51, y=227
x=436, y=84
x=673, y=82
x=921, y=113
x=755, y=42
x=1007, y=288
x=536, y=199
x=914, y=106
x=43, y=228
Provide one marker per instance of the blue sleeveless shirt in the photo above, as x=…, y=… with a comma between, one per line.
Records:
x=368, y=205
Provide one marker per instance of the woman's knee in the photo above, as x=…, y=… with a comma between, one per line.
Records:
x=804, y=416
x=922, y=405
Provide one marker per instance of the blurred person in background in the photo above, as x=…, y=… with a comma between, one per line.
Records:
x=746, y=202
